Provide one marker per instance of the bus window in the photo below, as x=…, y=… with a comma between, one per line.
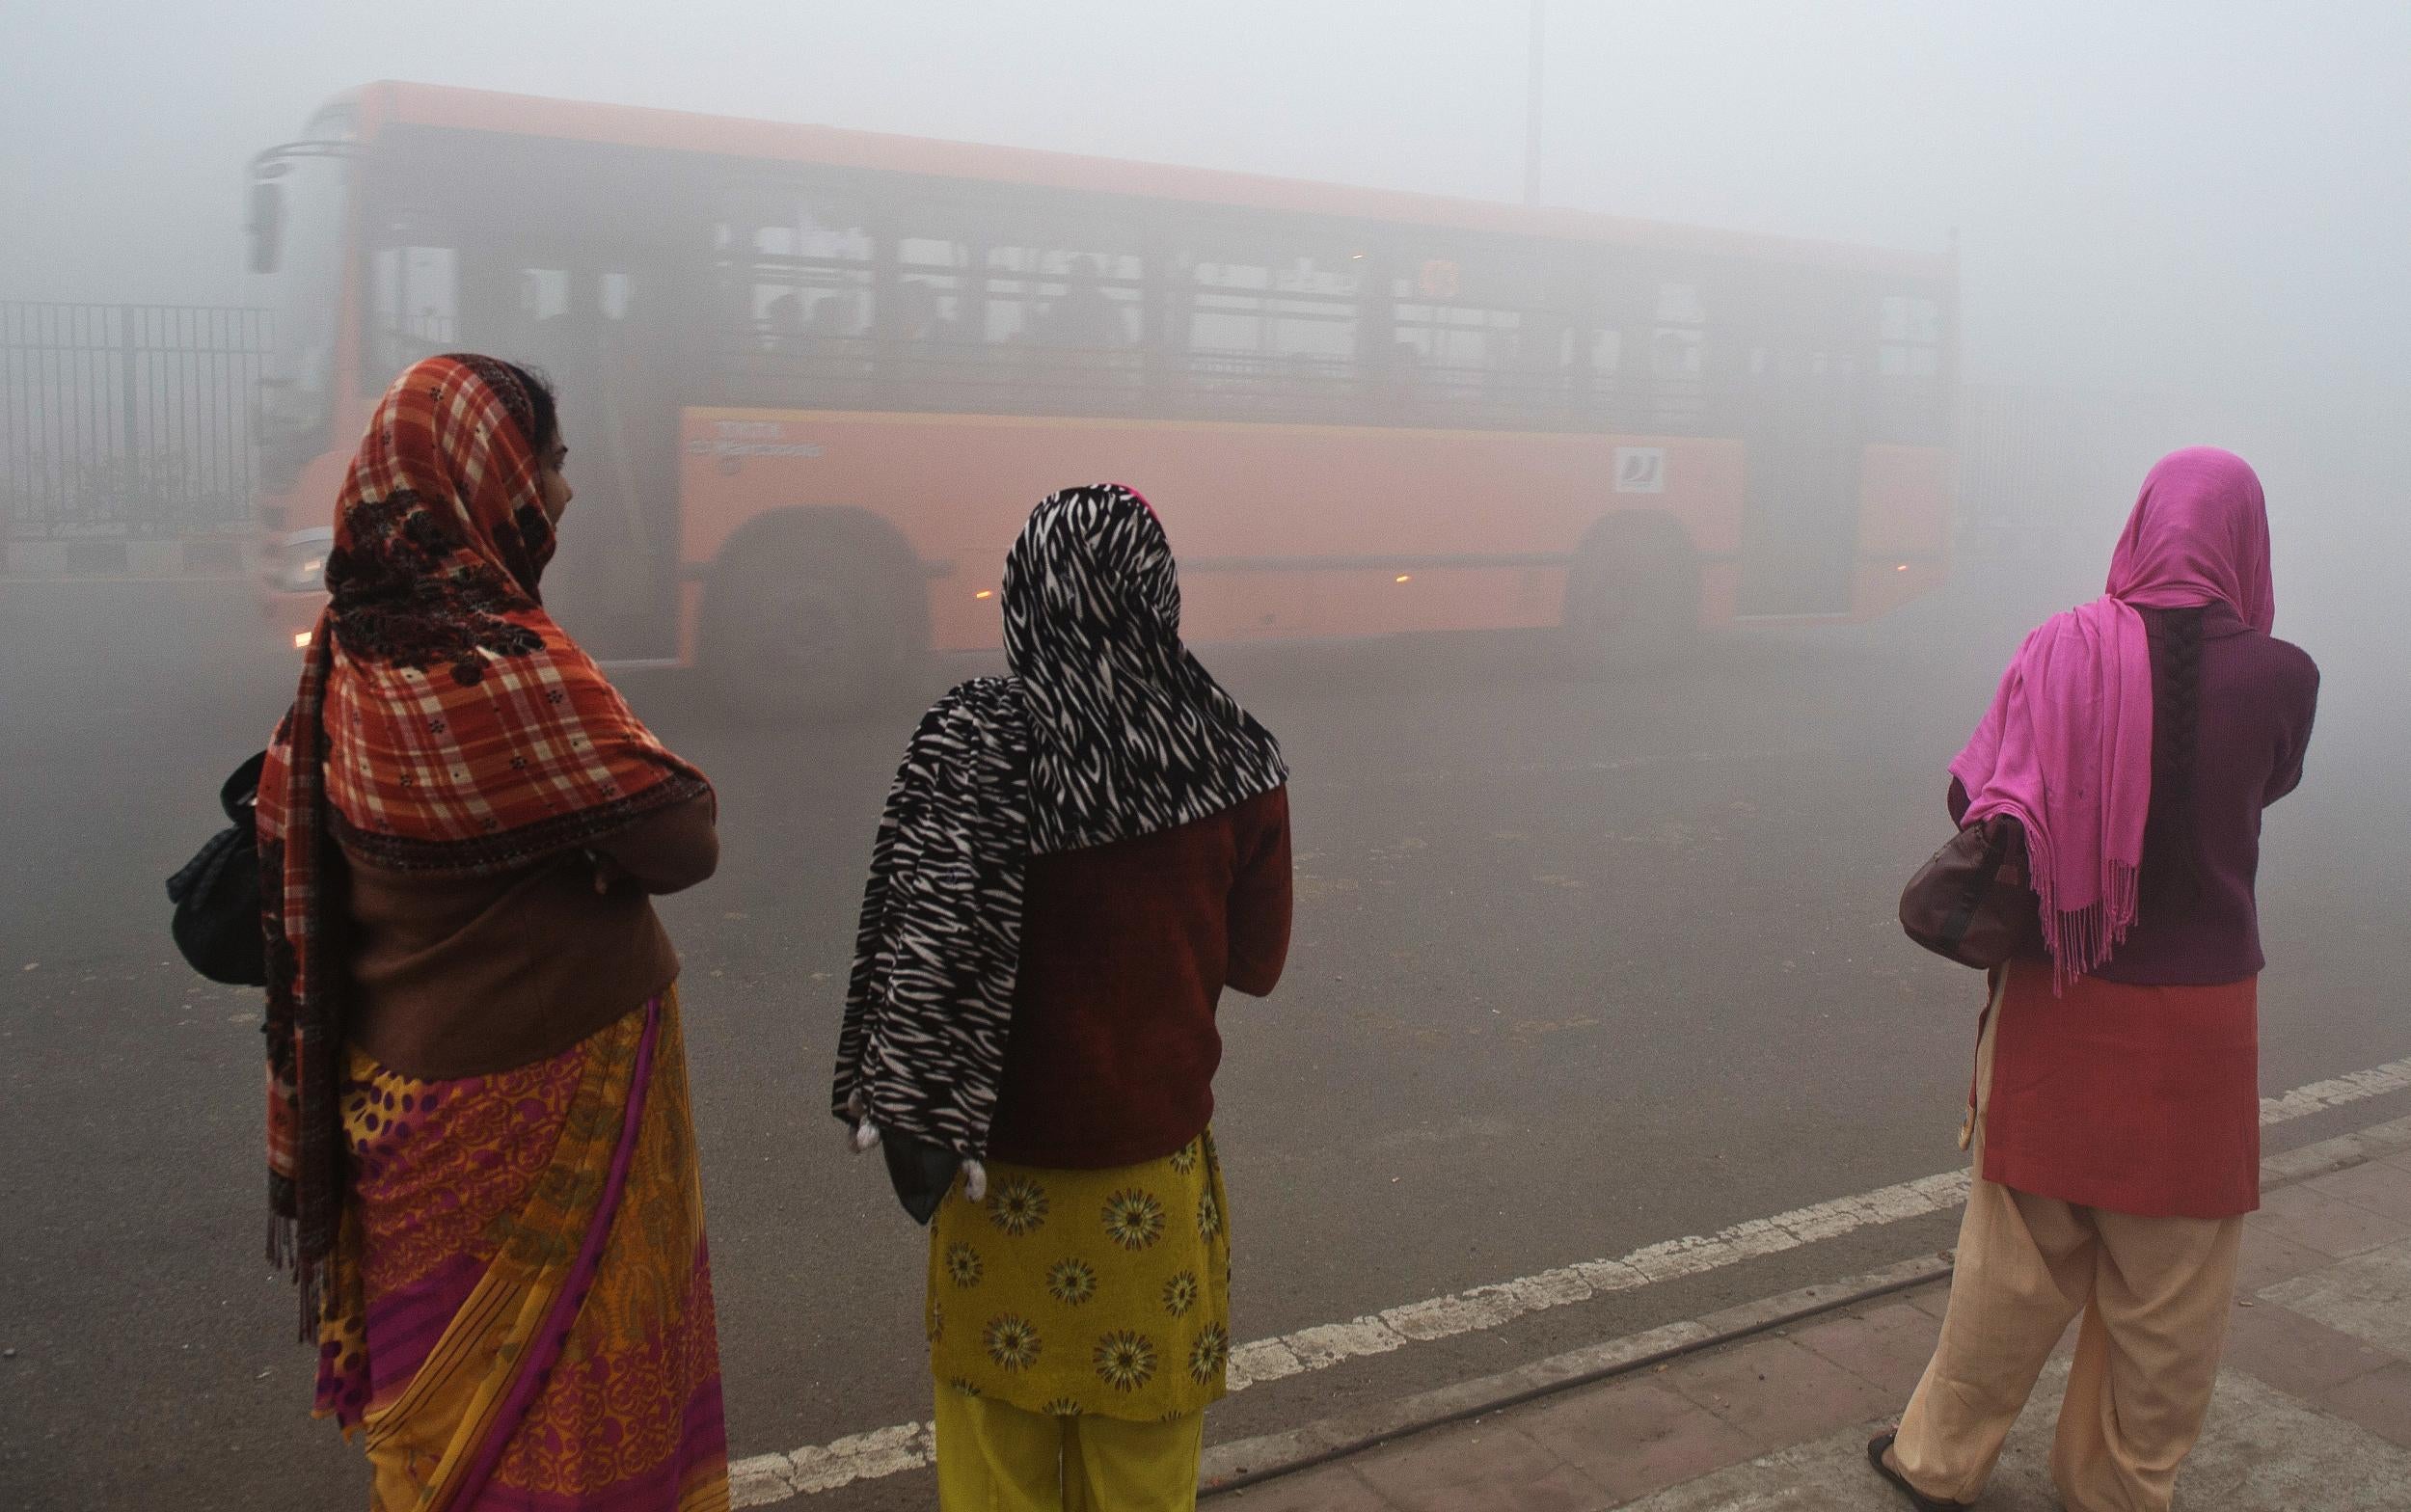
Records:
x=929, y=290
x=1472, y=335
x=1271, y=332
x=929, y=329
x=1677, y=359
x=543, y=295
x=1065, y=318
x=802, y=292
x=798, y=270
x=1065, y=297
x=1605, y=374
x=1912, y=334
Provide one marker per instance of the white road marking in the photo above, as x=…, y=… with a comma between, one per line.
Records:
x=2319, y=1097
x=767, y=1479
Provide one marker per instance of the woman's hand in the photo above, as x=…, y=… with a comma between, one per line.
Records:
x=608, y=873
x=662, y=853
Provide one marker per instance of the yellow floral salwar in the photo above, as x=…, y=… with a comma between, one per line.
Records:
x=1101, y=1293
x=995, y=1458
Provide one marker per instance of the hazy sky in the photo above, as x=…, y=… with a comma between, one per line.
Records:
x=2149, y=194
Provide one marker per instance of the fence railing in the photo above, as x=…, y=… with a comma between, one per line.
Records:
x=127, y=420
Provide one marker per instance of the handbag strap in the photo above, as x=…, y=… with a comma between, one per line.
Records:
x=240, y=794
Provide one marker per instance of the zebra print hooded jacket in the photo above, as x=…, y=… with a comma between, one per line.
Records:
x=1107, y=728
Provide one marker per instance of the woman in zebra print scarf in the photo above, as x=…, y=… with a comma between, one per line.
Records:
x=1073, y=862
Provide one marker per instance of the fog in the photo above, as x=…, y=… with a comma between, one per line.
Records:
x=1547, y=900
x=2146, y=193
x=2192, y=208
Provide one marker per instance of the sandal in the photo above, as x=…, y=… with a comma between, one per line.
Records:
x=1879, y=1446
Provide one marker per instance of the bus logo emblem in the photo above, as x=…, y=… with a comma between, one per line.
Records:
x=1641, y=470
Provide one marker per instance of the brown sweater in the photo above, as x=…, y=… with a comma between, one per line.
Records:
x=457, y=976
x=1125, y=949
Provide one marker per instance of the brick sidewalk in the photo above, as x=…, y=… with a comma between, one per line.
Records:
x=2312, y=1411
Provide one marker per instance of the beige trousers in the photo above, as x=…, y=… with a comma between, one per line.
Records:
x=2154, y=1293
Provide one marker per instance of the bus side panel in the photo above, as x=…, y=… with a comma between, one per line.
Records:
x=1904, y=527
x=1281, y=531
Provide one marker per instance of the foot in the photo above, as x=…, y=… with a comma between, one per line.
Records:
x=1888, y=1465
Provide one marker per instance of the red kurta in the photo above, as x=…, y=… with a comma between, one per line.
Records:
x=2138, y=1100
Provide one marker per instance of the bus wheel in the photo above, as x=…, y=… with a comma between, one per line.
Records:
x=1632, y=597
x=809, y=622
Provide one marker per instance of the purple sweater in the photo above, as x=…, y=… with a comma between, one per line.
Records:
x=2257, y=696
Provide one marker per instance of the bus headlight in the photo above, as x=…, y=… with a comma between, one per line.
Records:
x=305, y=564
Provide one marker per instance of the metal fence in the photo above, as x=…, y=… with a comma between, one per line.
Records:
x=127, y=420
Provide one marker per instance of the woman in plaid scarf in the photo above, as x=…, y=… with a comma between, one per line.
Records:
x=481, y=1162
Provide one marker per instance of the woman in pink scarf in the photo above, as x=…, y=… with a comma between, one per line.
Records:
x=2116, y=1108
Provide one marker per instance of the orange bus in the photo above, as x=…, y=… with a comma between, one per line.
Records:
x=814, y=378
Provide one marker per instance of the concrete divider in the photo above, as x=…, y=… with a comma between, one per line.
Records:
x=124, y=558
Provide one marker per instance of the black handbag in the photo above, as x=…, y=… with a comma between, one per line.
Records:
x=216, y=893
x=1974, y=903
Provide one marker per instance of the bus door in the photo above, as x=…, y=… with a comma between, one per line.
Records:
x=602, y=323
x=1800, y=397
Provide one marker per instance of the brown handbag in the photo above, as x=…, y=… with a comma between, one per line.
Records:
x=1974, y=902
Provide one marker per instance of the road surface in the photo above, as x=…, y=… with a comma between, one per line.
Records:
x=1580, y=966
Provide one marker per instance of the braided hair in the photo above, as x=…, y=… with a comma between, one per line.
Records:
x=2172, y=863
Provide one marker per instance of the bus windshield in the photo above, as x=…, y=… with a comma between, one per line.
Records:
x=297, y=389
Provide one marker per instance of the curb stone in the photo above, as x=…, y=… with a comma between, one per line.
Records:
x=110, y=558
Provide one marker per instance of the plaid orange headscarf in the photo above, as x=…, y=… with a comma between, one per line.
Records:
x=444, y=724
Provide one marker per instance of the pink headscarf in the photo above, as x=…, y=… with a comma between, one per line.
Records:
x=2066, y=747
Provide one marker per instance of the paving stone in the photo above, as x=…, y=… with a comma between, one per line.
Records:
x=2380, y=1401
x=1886, y=1346
x=2260, y=1451
x=2323, y=1223
x=1777, y=1392
x=2313, y=1415
x=1932, y=1301
x=2264, y=1451
x=2379, y=1187
x=1633, y=1436
x=2368, y=1296
x=2270, y=1257
x=1486, y=1464
x=2295, y=1353
x=1333, y=1488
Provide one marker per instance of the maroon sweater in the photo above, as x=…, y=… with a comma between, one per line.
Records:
x=1125, y=949
x=2257, y=699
